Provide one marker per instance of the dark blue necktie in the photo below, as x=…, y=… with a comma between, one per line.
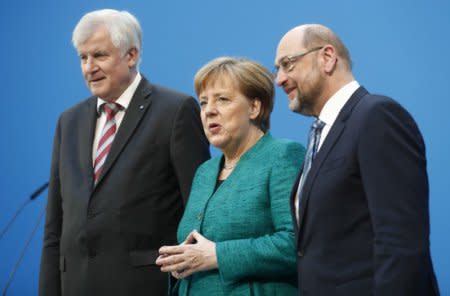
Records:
x=313, y=146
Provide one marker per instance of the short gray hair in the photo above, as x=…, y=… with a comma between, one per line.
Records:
x=122, y=26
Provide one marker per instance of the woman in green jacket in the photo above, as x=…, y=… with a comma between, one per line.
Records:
x=236, y=236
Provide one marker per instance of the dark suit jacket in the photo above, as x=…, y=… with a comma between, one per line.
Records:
x=104, y=240
x=364, y=221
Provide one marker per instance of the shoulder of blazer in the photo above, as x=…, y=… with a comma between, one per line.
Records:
x=268, y=150
x=209, y=167
x=266, y=153
x=278, y=147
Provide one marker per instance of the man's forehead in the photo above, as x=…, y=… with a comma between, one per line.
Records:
x=288, y=45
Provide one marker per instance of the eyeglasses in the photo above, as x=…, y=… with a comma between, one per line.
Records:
x=287, y=63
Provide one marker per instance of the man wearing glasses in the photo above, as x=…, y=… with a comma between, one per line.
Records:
x=360, y=203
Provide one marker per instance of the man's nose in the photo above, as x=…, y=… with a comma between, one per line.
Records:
x=280, y=77
x=90, y=65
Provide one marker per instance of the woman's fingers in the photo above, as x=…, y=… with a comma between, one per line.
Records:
x=171, y=250
x=196, y=253
x=197, y=236
x=167, y=260
x=190, y=238
x=175, y=267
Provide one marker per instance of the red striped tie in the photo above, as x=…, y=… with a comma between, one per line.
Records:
x=106, y=139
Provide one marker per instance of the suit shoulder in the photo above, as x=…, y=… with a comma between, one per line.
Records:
x=374, y=101
x=78, y=108
x=380, y=105
x=381, y=113
x=170, y=93
x=173, y=100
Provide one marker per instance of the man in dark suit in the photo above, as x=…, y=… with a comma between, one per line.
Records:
x=360, y=203
x=122, y=167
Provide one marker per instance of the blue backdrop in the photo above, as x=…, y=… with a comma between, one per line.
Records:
x=399, y=48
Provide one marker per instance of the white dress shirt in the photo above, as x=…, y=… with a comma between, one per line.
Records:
x=328, y=115
x=124, y=100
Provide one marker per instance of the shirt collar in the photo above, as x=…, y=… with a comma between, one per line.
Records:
x=333, y=106
x=125, y=98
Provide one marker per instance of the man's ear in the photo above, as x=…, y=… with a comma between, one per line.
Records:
x=133, y=57
x=329, y=58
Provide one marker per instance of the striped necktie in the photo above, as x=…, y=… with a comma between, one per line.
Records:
x=106, y=138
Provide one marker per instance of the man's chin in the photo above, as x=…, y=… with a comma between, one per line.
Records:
x=99, y=94
x=299, y=108
x=95, y=91
x=294, y=105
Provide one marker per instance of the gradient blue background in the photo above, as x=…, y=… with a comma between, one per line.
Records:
x=399, y=48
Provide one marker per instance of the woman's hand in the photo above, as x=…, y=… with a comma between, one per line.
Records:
x=195, y=254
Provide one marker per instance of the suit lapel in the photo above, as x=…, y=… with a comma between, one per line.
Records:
x=292, y=200
x=134, y=113
x=87, y=130
x=331, y=139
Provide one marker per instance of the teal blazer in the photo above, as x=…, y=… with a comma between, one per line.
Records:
x=248, y=217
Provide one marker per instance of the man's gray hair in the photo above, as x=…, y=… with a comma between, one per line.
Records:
x=122, y=26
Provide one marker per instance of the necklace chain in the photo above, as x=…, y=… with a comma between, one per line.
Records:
x=232, y=166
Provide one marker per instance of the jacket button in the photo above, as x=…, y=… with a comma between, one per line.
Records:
x=300, y=253
x=92, y=254
x=90, y=213
x=200, y=217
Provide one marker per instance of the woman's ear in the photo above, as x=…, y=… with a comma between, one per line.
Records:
x=255, y=108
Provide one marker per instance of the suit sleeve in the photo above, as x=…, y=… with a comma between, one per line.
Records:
x=392, y=161
x=273, y=254
x=189, y=146
x=49, y=276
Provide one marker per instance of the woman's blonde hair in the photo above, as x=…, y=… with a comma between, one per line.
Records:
x=253, y=80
